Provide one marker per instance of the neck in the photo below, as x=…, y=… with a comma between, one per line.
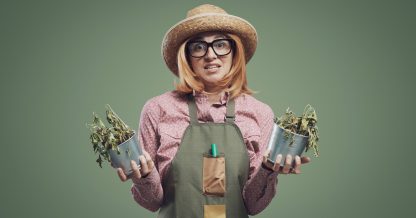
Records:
x=214, y=97
x=214, y=92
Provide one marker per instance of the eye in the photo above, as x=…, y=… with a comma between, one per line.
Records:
x=219, y=45
x=222, y=44
x=198, y=46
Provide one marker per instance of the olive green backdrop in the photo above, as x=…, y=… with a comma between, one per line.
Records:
x=354, y=61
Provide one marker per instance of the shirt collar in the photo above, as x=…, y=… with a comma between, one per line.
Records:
x=202, y=97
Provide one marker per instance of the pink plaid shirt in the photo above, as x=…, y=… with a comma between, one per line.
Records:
x=163, y=121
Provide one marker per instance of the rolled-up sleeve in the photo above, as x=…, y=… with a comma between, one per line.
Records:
x=261, y=186
x=149, y=192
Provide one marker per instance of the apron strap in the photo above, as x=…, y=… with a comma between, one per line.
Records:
x=229, y=115
x=192, y=109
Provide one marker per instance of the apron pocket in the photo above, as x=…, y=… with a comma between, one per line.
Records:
x=214, y=211
x=214, y=175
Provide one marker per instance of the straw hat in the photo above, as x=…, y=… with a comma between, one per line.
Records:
x=205, y=18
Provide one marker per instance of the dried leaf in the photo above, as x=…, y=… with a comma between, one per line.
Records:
x=304, y=125
x=104, y=139
x=99, y=161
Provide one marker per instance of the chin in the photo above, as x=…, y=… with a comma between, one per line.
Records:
x=214, y=79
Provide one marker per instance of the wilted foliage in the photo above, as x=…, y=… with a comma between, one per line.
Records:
x=304, y=125
x=105, y=138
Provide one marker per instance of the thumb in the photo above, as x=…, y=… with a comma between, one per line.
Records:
x=266, y=154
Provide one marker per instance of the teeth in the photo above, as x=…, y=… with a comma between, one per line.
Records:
x=210, y=67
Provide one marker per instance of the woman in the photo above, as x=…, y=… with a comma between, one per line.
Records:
x=205, y=143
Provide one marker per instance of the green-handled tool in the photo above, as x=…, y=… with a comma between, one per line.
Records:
x=214, y=150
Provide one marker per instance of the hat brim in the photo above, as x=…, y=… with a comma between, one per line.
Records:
x=207, y=22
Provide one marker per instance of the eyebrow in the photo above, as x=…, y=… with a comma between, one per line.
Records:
x=215, y=37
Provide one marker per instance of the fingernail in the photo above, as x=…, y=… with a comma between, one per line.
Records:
x=279, y=158
x=288, y=159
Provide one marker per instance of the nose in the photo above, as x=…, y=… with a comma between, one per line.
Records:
x=210, y=54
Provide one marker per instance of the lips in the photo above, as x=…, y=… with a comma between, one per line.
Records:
x=211, y=66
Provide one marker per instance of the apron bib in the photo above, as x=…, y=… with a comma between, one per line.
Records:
x=199, y=185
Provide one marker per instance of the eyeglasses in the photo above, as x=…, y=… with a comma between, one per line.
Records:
x=199, y=49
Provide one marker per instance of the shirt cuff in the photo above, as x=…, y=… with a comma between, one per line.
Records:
x=266, y=172
x=151, y=178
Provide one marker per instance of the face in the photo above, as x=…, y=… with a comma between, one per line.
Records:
x=216, y=62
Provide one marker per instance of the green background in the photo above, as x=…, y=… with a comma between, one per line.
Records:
x=354, y=61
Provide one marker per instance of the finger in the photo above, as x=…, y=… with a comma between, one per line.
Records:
x=276, y=166
x=136, y=171
x=150, y=162
x=305, y=159
x=144, y=152
x=145, y=167
x=121, y=175
x=288, y=164
x=297, y=165
x=266, y=155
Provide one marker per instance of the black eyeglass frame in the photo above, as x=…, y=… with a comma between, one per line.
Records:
x=208, y=45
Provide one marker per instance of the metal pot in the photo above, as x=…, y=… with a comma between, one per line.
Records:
x=281, y=144
x=129, y=150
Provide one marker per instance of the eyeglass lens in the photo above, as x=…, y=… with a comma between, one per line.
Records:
x=220, y=46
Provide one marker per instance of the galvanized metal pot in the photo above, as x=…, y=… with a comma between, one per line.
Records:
x=129, y=150
x=280, y=144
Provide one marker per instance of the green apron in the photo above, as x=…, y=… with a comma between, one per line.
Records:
x=198, y=185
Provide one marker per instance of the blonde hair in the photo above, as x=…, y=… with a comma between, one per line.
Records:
x=234, y=82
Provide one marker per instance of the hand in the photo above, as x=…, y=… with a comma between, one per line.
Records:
x=288, y=168
x=146, y=166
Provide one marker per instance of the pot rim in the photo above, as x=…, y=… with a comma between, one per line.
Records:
x=134, y=134
x=296, y=134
